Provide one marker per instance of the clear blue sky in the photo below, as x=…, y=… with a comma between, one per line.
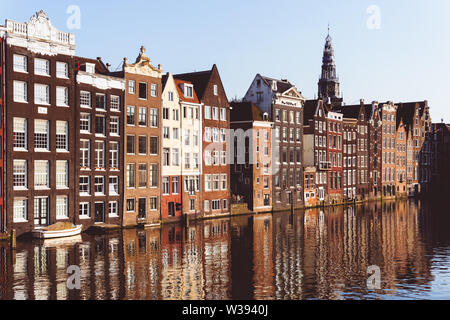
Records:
x=407, y=59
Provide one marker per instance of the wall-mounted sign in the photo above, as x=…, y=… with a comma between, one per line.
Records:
x=42, y=110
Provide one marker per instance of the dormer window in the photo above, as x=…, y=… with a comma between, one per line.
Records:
x=188, y=91
x=90, y=68
x=274, y=85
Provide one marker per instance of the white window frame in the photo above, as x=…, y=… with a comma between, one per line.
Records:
x=21, y=175
x=20, y=63
x=62, y=174
x=42, y=67
x=62, y=208
x=41, y=175
x=20, y=91
x=62, y=96
x=84, y=207
x=62, y=70
x=20, y=126
x=20, y=212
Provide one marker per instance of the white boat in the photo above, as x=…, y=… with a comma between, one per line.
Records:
x=45, y=234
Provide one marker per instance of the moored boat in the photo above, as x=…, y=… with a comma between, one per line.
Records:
x=57, y=231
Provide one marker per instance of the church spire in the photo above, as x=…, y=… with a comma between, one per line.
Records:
x=329, y=82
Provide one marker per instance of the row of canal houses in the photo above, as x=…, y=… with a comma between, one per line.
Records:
x=140, y=147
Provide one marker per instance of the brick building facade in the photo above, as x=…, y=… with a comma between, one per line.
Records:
x=142, y=126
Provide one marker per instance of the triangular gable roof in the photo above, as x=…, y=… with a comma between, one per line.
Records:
x=199, y=79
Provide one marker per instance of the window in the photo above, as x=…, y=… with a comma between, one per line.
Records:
x=187, y=161
x=20, y=210
x=85, y=185
x=188, y=91
x=20, y=133
x=131, y=116
x=224, y=182
x=20, y=63
x=20, y=174
x=215, y=113
x=206, y=206
x=131, y=205
x=41, y=94
x=131, y=175
x=132, y=87
x=85, y=153
x=166, y=157
x=195, y=161
x=131, y=144
x=225, y=204
x=85, y=123
x=85, y=99
x=20, y=91
x=114, y=103
x=175, y=157
x=42, y=67
x=41, y=135
x=216, y=90
x=154, y=118
x=114, y=155
x=41, y=174
x=62, y=96
x=100, y=125
x=216, y=182
x=154, y=90
x=113, y=185
x=192, y=205
x=175, y=185
x=62, y=136
x=170, y=96
x=142, y=172
x=154, y=146
x=216, y=135
x=100, y=101
x=62, y=207
x=166, y=133
x=154, y=203
x=90, y=68
x=113, y=209
x=114, y=126
x=176, y=115
x=143, y=145
x=99, y=185
x=143, y=90
x=166, y=185
x=62, y=175
x=215, y=205
x=187, y=136
x=208, y=182
x=207, y=134
x=176, y=133
x=84, y=210
x=62, y=70
x=142, y=117
x=207, y=112
x=100, y=154
x=165, y=113
x=223, y=114
x=153, y=176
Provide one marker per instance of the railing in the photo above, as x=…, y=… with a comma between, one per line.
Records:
x=63, y=37
x=20, y=28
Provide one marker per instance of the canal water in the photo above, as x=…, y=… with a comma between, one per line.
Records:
x=317, y=254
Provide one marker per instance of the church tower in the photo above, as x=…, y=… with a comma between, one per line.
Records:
x=329, y=82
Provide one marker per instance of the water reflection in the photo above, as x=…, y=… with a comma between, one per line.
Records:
x=317, y=254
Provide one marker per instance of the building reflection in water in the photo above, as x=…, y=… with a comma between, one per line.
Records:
x=317, y=254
